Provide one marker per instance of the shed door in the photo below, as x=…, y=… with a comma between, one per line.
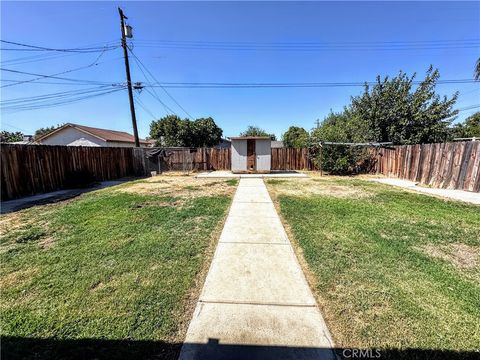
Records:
x=250, y=155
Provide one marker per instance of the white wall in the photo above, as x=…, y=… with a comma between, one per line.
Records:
x=121, y=144
x=263, y=151
x=69, y=135
x=239, y=155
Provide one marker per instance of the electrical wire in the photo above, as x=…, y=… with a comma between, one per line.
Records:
x=310, y=46
x=140, y=64
x=202, y=85
x=62, y=102
x=143, y=106
x=42, y=48
x=53, y=76
x=55, y=95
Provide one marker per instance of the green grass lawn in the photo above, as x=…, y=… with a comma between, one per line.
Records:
x=391, y=269
x=121, y=267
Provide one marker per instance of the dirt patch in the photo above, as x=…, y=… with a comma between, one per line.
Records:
x=46, y=243
x=17, y=278
x=179, y=186
x=460, y=255
x=309, y=187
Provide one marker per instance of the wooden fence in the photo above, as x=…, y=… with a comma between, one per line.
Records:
x=182, y=159
x=443, y=165
x=33, y=169
x=291, y=159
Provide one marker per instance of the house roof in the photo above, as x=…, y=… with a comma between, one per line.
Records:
x=250, y=138
x=102, y=134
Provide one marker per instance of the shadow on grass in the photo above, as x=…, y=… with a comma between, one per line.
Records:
x=33, y=348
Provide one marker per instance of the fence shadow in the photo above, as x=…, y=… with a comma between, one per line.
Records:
x=55, y=196
x=49, y=348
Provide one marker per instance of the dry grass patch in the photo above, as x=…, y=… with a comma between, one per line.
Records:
x=462, y=256
x=316, y=186
x=179, y=186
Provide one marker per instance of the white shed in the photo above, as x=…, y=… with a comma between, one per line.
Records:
x=251, y=154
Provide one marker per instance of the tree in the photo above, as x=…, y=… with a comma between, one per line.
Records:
x=44, y=131
x=336, y=159
x=256, y=131
x=171, y=130
x=295, y=137
x=7, y=136
x=394, y=112
x=206, y=132
x=469, y=128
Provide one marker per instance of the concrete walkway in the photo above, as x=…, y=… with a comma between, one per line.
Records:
x=460, y=195
x=256, y=303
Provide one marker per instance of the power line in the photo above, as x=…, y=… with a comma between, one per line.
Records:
x=41, y=48
x=144, y=107
x=16, y=127
x=194, y=85
x=154, y=94
x=62, y=102
x=397, y=42
x=53, y=76
x=310, y=46
x=469, y=107
x=168, y=110
x=139, y=62
x=55, y=95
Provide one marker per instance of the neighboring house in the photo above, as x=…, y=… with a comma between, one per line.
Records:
x=277, y=144
x=27, y=139
x=223, y=144
x=79, y=135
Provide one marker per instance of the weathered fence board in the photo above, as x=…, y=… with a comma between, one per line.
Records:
x=32, y=169
x=27, y=170
x=442, y=165
x=291, y=159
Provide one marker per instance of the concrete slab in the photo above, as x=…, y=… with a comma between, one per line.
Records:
x=460, y=195
x=229, y=174
x=251, y=194
x=259, y=331
x=253, y=229
x=264, y=210
x=252, y=182
x=256, y=274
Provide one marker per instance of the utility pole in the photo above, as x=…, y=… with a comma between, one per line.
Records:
x=129, y=80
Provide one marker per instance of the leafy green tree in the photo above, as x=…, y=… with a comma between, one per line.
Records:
x=7, y=136
x=295, y=137
x=394, y=111
x=469, y=128
x=171, y=130
x=339, y=159
x=44, y=131
x=256, y=131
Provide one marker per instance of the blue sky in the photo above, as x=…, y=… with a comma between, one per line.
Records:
x=77, y=24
